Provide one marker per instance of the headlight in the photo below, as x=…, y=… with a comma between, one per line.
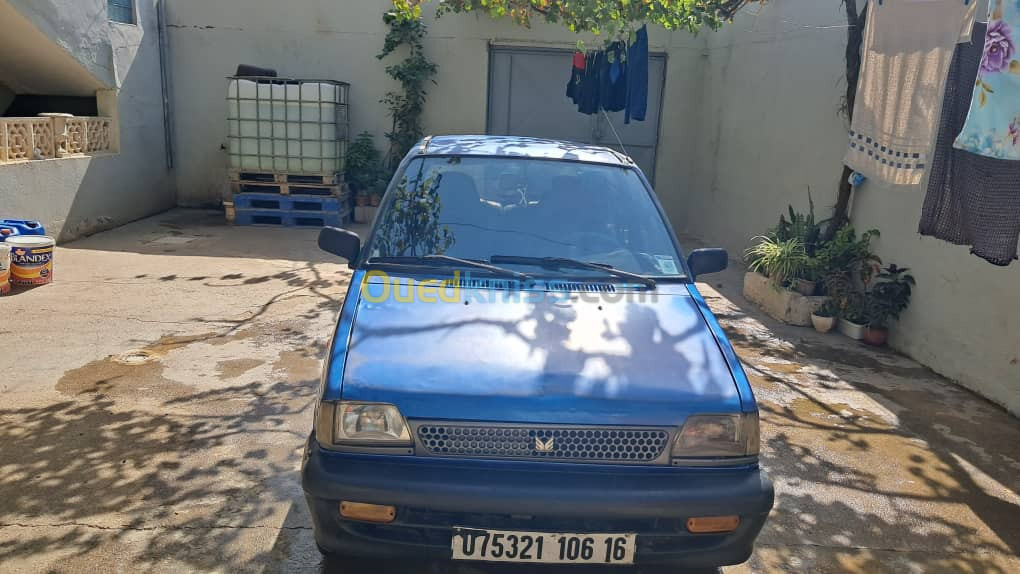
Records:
x=365, y=424
x=717, y=436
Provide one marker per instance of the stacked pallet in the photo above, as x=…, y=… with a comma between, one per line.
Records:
x=291, y=200
x=287, y=140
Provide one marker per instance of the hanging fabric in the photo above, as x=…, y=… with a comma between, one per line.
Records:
x=614, y=78
x=576, y=77
x=907, y=48
x=591, y=85
x=637, y=77
x=971, y=199
x=993, y=124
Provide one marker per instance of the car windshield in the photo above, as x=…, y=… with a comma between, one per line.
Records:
x=479, y=207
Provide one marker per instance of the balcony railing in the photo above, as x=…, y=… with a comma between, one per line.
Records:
x=27, y=139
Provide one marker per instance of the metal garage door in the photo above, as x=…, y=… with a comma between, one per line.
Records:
x=527, y=97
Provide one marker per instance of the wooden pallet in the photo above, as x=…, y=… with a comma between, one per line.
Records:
x=247, y=176
x=335, y=190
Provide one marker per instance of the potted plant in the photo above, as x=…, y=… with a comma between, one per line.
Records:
x=363, y=163
x=362, y=197
x=853, y=320
x=888, y=297
x=824, y=318
x=375, y=192
x=780, y=261
x=807, y=283
x=847, y=259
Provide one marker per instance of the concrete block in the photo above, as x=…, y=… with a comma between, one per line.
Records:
x=782, y=304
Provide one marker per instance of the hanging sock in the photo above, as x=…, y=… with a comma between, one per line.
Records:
x=906, y=52
x=993, y=124
x=971, y=199
x=637, y=78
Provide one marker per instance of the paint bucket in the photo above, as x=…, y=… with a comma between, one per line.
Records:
x=31, y=259
x=5, y=268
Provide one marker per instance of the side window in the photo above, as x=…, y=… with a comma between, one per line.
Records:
x=121, y=11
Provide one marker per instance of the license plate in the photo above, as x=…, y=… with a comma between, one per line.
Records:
x=544, y=547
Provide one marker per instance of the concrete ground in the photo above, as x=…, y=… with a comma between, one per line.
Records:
x=158, y=394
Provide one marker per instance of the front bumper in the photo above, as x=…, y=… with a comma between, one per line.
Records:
x=432, y=495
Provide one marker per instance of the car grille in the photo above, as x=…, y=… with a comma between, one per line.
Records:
x=545, y=442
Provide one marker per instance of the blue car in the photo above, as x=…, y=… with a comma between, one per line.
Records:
x=523, y=371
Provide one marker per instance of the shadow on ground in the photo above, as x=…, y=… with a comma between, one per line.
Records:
x=881, y=464
x=206, y=233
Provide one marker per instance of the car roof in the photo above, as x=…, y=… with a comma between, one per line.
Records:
x=514, y=146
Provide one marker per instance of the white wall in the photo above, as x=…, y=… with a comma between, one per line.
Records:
x=771, y=129
x=76, y=28
x=339, y=39
x=78, y=196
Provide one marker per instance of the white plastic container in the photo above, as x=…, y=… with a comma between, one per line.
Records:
x=288, y=126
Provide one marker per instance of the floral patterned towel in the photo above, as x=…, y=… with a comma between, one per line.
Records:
x=907, y=48
x=993, y=124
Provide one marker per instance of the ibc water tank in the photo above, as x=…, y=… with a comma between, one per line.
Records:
x=287, y=126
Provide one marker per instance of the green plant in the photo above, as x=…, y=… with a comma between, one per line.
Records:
x=595, y=16
x=848, y=257
x=781, y=261
x=889, y=295
x=812, y=270
x=847, y=266
x=827, y=309
x=800, y=226
x=414, y=72
x=855, y=308
x=364, y=163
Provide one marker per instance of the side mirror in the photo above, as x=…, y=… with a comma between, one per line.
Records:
x=340, y=242
x=704, y=261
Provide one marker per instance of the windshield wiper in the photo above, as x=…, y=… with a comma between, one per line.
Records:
x=432, y=259
x=555, y=263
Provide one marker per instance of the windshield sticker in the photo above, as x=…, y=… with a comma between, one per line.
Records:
x=667, y=265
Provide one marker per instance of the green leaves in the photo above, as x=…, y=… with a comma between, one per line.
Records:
x=779, y=260
x=612, y=17
x=413, y=72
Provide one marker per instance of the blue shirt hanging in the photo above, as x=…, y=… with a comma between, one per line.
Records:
x=637, y=78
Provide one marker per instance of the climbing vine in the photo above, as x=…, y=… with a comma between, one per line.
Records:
x=594, y=16
x=414, y=73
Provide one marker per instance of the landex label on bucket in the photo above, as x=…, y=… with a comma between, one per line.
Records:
x=31, y=259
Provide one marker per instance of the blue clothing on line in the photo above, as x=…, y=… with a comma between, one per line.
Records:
x=637, y=78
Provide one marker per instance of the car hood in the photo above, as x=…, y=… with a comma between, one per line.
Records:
x=555, y=358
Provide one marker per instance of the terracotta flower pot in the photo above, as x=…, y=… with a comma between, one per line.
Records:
x=375, y=200
x=875, y=336
x=823, y=324
x=362, y=200
x=805, y=287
